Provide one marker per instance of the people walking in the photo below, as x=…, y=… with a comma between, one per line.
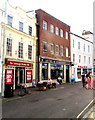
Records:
x=83, y=79
x=92, y=82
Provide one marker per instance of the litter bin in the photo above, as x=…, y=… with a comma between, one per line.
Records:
x=8, y=90
x=72, y=81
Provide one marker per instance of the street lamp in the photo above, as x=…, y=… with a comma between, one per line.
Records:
x=3, y=50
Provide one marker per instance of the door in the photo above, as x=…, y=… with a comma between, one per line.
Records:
x=67, y=73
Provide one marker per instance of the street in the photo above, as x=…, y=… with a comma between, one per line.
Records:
x=65, y=101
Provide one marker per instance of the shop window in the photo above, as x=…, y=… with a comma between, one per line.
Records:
x=79, y=73
x=44, y=71
x=20, y=50
x=56, y=71
x=29, y=52
x=9, y=47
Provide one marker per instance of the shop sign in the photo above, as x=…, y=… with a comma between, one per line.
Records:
x=82, y=66
x=9, y=76
x=20, y=64
x=54, y=61
x=28, y=76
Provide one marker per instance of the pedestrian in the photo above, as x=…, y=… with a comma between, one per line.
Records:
x=59, y=80
x=92, y=82
x=88, y=80
x=83, y=79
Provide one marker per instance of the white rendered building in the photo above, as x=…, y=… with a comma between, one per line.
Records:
x=81, y=54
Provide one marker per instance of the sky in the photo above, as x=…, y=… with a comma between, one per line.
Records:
x=78, y=14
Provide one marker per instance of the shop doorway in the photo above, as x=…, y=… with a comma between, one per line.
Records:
x=67, y=74
x=19, y=76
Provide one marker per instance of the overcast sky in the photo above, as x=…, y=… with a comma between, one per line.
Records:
x=78, y=14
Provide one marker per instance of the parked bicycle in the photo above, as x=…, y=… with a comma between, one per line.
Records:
x=23, y=90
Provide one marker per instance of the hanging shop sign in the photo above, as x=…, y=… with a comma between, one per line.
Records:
x=9, y=73
x=28, y=76
x=20, y=64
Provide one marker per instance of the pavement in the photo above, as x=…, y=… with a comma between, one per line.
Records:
x=90, y=114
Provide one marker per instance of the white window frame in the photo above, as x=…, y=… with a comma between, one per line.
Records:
x=61, y=33
x=67, y=50
x=57, y=49
x=57, y=31
x=52, y=48
x=61, y=50
x=51, y=28
x=10, y=20
x=44, y=25
x=67, y=35
x=44, y=46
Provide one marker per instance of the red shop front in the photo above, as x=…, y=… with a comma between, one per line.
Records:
x=20, y=73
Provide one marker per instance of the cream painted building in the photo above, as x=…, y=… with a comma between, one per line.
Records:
x=20, y=47
x=81, y=54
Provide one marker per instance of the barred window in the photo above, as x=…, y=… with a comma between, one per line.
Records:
x=20, y=50
x=9, y=47
x=29, y=52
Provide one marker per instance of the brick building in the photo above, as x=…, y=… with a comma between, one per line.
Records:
x=53, y=47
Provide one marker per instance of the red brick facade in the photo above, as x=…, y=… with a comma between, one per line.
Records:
x=52, y=37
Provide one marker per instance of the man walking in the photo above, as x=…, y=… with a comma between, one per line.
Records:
x=83, y=78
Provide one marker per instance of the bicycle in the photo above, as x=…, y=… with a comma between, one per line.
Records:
x=23, y=90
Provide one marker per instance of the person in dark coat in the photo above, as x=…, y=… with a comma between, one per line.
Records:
x=83, y=78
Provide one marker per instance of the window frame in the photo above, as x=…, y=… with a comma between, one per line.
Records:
x=9, y=47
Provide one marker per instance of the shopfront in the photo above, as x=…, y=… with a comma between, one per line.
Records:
x=53, y=68
x=77, y=71
x=17, y=73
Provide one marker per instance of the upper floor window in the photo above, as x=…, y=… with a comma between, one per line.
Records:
x=61, y=50
x=73, y=57
x=52, y=48
x=61, y=33
x=51, y=28
x=44, y=46
x=44, y=25
x=57, y=31
x=88, y=48
x=79, y=58
x=67, y=52
x=57, y=49
x=84, y=47
x=30, y=30
x=78, y=45
x=88, y=60
x=20, y=50
x=10, y=20
x=67, y=35
x=9, y=47
x=29, y=51
x=73, y=43
x=21, y=26
x=84, y=59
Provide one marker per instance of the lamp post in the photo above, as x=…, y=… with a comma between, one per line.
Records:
x=3, y=51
